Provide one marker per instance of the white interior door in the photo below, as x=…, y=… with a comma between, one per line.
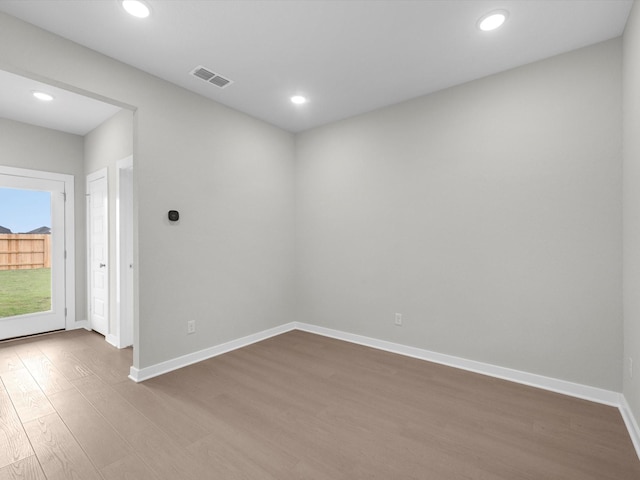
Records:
x=98, y=241
x=17, y=272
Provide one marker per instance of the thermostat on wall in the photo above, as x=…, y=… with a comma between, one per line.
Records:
x=174, y=216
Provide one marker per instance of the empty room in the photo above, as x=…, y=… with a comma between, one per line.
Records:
x=319, y=239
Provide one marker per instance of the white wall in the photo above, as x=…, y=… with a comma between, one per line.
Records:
x=488, y=214
x=228, y=263
x=631, y=115
x=103, y=147
x=37, y=148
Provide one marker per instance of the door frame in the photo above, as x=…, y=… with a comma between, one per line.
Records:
x=69, y=236
x=123, y=336
x=101, y=173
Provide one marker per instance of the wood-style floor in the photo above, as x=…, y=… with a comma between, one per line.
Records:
x=297, y=406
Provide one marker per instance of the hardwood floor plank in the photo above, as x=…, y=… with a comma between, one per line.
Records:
x=14, y=444
x=27, y=398
x=125, y=419
x=25, y=469
x=64, y=360
x=9, y=359
x=225, y=461
x=195, y=382
x=60, y=455
x=48, y=377
x=59, y=350
x=181, y=423
x=287, y=389
x=26, y=349
x=103, y=365
x=98, y=439
x=311, y=470
x=129, y=468
x=293, y=431
x=166, y=458
x=232, y=452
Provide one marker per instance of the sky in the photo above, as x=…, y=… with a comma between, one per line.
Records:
x=24, y=210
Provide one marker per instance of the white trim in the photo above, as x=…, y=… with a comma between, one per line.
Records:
x=141, y=374
x=70, y=248
x=25, y=172
x=80, y=324
x=112, y=340
x=631, y=423
x=585, y=392
x=120, y=338
x=69, y=233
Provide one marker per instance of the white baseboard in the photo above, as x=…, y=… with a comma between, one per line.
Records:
x=79, y=324
x=112, y=340
x=630, y=422
x=139, y=375
x=585, y=392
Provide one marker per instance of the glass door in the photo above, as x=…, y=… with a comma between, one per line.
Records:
x=32, y=276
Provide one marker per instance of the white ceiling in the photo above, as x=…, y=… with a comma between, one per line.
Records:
x=68, y=112
x=348, y=57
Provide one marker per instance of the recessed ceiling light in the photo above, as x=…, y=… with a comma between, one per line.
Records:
x=492, y=20
x=45, y=97
x=298, y=99
x=136, y=8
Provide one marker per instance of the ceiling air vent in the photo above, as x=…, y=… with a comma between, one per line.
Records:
x=208, y=76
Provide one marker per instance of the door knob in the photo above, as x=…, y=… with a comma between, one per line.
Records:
x=102, y=265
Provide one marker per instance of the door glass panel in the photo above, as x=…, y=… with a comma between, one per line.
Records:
x=25, y=251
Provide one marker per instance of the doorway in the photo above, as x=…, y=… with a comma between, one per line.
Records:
x=36, y=275
x=101, y=284
x=77, y=112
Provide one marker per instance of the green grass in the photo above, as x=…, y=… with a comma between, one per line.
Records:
x=24, y=291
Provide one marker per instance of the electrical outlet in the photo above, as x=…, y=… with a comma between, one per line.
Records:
x=398, y=320
x=191, y=327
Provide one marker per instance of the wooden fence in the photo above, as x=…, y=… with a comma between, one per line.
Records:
x=22, y=251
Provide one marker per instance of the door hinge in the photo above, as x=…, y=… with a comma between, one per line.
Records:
x=64, y=196
x=65, y=254
x=65, y=311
